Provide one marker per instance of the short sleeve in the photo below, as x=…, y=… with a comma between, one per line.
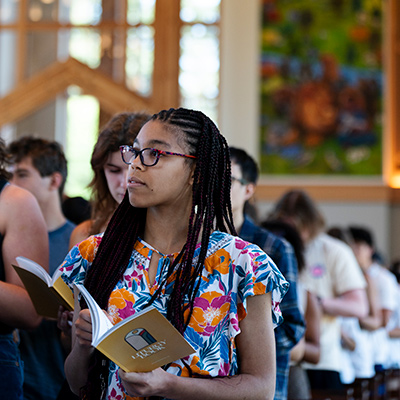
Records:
x=387, y=286
x=78, y=260
x=259, y=275
x=347, y=274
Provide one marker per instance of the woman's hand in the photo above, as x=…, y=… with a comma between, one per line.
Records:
x=83, y=328
x=64, y=321
x=145, y=384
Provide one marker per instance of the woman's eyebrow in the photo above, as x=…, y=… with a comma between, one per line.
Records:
x=154, y=142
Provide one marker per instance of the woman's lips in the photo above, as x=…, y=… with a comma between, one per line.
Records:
x=134, y=182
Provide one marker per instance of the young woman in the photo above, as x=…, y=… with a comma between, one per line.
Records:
x=167, y=245
x=109, y=180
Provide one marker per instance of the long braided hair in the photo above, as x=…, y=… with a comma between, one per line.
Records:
x=211, y=209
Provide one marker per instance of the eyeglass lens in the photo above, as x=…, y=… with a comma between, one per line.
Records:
x=148, y=157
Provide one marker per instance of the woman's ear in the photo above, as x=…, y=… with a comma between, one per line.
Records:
x=193, y=167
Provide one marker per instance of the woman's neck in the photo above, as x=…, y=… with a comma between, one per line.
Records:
x=165, y=230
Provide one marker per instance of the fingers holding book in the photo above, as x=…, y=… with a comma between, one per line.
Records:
x=144, y=384
x=83, y=328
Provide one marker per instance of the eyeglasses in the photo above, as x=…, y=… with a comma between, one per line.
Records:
x=148, y=156
x=240, y=180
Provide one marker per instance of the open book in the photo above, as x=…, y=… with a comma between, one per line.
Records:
x=140, y=343
x=47, y=293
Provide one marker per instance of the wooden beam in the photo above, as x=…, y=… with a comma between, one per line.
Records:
x=34, y=93
x=336, y=193
x=166, y=55
x=22, y=46
x=112, y=96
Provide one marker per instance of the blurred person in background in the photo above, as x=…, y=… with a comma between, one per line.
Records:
x=386, y=284
x=333, y=275
x=22, y=233
x=308, y=348
x=244, y=180
x=109, y=180
x=40, y=167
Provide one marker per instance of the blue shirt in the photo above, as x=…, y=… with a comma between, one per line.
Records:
x=293, y=327
x=59, y=245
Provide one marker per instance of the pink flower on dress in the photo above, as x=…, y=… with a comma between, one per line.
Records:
x=208, y=311
x=240, y=244
x=275, y=306
x=224, y=369
x=235, y=324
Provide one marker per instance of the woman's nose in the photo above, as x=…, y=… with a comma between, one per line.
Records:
x=136, y=162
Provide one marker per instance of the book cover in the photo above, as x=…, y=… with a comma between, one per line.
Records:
x=47, y=293
x=139, y=343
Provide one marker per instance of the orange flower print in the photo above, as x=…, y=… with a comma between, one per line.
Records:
x=209, y=309
x=120, y=304
x=259, y=288
x=88, y=247
x=142, y=249
x=219, y=261
x=193, y=366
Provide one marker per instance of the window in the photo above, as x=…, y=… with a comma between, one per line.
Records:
x=166, y=52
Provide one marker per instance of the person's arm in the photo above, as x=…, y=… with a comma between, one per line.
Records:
x=77, y=363
x=347, y=341
x=25, y=234
x=308, y=349
x=394, y=333
x=386, y=314
x=297, y=352
x=374, y=319
x=352, y=303
x=293, y=327
x=256, y=379
x=313, y=331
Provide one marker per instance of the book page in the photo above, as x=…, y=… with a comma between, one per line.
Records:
x=65, y=292
x=34, y=268
x=100, y=322
x=123, y=322
x=45, y=299
x=57, y=274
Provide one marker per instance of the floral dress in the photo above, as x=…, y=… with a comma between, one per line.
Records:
x=233, y=270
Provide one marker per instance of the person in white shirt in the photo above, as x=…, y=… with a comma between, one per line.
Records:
x=386, y=283
x=357, y=358
x=333, y=275
x=393, y=326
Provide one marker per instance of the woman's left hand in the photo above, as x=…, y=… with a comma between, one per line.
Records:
x=145, y=383
x=64, y=321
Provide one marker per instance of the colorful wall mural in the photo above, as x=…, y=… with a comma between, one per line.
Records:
x=321, y=87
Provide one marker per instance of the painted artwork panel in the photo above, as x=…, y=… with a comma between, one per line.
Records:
x=321, y=87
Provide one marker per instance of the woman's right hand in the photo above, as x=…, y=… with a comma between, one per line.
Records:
x=83, y=328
